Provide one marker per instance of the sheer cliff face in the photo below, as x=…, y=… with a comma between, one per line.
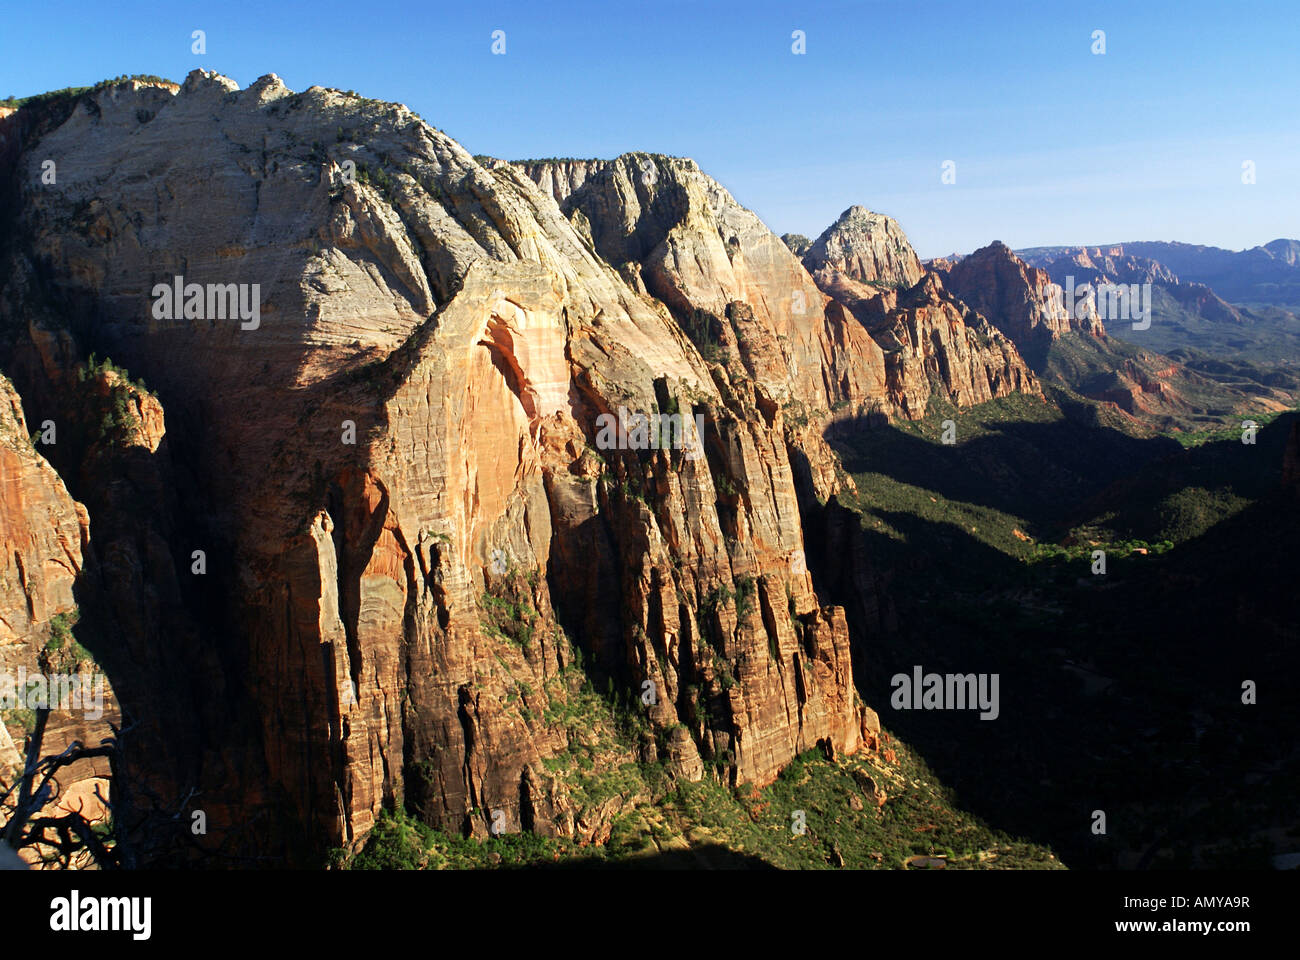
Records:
x=42, y=536
x=403, y=443
x=1020, y=300
x=728, y=280
x=935, y=344
x=44, y=541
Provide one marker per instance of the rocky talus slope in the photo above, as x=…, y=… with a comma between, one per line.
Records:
x=363, y=547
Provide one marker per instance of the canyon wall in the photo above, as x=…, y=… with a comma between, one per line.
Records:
x=357, y=531
x=374, y=547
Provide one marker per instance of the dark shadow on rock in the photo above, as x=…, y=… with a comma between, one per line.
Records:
x=1029, y=469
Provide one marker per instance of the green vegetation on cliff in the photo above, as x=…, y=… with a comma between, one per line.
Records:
x=872, y=811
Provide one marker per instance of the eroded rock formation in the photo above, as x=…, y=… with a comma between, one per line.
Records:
x=44, y=547
x=860, y=254
x=353, y=548
x=934, y=343
x=1020, y=300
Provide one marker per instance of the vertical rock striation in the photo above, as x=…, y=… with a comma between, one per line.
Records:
x=410, y=529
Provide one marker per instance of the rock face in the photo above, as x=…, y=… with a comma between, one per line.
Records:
x=732, y=284
x=1020, y=300
x=1097, y=265
x=861, y=254
x=43, y=532
x=1264, y=274
x=934, y=343
x=44, y=548
x=1111, y=263
x=1068, y=343
x=743, y=297
x=1267, y=274
x=382, y=526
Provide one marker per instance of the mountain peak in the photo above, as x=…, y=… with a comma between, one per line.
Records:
x=1288, y=251
x=865, y=247
x=1019, y=299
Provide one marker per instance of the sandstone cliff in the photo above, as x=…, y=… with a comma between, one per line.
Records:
x=43, y=534
x=379, y=534
x=1067, y=344
x=728, y=280
x=1020, y=300
x=860, y=254
x=44, y=548
x=749, y=304
x=935, y=344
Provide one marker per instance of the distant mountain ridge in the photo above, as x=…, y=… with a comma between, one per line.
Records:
x=1209, y=301
x=1155, y=379
x=1269, y=273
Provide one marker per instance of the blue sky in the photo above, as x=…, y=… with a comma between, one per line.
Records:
x=1051, y=143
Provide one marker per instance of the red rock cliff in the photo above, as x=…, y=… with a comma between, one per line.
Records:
x=410, y=531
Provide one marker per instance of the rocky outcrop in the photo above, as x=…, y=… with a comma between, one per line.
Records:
x=1140, y=390
x=44, y=548
x=410, y=529
x=750, y=305
x=1106, y=263
x=1066, y=342
x=861, y=254
x=734, y=286
x=43, y=532
x=1076, y=266
x=934, y=344
x=1265, y=274
x=1020, y=300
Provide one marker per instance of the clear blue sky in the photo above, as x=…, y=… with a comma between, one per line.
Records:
x=1052, y=144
